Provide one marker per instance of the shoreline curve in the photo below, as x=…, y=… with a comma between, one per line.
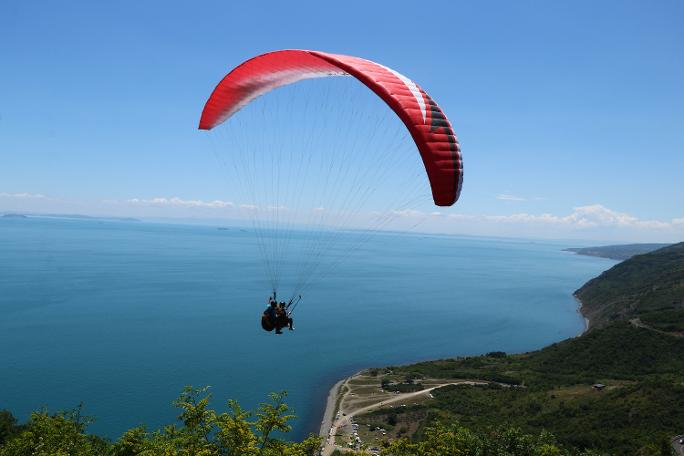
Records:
x=331, y=403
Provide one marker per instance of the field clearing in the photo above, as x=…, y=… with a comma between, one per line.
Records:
x=363, y=394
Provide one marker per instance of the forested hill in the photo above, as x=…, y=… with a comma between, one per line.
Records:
x=648, y=289
x=617, y=252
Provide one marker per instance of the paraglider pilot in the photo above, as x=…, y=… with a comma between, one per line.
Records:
x=283, y=319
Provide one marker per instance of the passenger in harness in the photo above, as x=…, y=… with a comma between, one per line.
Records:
x=283, y=318
x=276, y=315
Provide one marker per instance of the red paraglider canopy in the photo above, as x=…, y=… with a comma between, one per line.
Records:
x=424, y=119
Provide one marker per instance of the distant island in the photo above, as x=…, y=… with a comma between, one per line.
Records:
x=72, y=216
x=616, y=252
x=617, y=389
x=89, y=217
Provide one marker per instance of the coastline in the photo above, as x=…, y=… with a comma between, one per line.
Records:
x=333, y=394
x=580, y=311
x=330, y=406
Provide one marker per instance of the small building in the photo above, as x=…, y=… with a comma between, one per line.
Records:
x=598, y=386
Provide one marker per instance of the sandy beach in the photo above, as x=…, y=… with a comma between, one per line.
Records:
x=329, y=413
x=580, y=304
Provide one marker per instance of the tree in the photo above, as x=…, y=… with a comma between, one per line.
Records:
x=60, y=434
x=204, y=432
x=200, y=431
x=458, y=441
x=8, y=426
x=272, y=416
x=234, y=431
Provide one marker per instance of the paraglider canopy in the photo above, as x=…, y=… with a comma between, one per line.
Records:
x=430, y=129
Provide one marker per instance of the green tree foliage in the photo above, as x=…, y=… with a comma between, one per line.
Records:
x=200, y=431
x=8, y=426
x=61, y=434
x=455, y=440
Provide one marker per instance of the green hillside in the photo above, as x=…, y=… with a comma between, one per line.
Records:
x=649, y=287
x=642, y=404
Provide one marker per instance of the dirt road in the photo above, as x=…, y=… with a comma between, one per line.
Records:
x=330, y=446
x=678, y=447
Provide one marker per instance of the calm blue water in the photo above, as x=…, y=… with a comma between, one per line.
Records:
x=122, y=315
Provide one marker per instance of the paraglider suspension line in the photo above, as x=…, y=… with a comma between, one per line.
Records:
x=292, y=305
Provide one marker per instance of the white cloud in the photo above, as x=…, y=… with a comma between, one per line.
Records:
x=598, y=215
x=178, y=202
x=22, y=195
x=509, y=197
x=593, y=221
x=466, y=217
x=408, y=213
x=590, y=216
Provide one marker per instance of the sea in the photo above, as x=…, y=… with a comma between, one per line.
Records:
x=120, y=315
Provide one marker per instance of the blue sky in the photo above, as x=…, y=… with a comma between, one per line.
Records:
x=570, y=114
